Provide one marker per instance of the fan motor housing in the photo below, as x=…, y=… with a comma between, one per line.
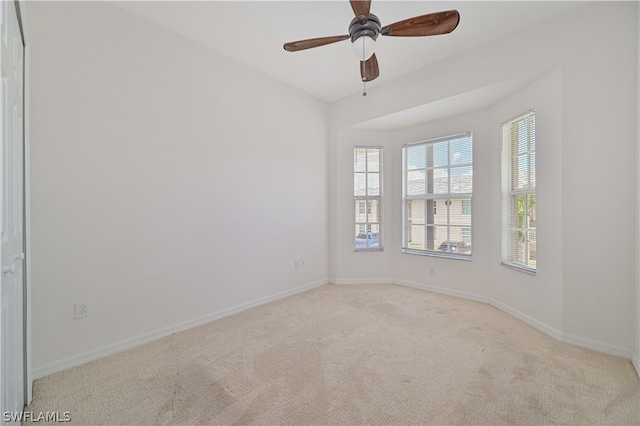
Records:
x=363, y=26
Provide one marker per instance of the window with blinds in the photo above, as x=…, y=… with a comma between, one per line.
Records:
x=519, y=192
x=437, y=196
x=367, y=195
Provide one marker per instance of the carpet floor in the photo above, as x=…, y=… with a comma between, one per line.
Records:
x=367, y=354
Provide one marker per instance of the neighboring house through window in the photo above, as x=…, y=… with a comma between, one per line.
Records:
x=437, y=196
x=367, y=194
x=466, y=235
x=466, y=207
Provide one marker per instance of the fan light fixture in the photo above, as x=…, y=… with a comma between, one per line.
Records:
x=364, y=31
x=364, y=47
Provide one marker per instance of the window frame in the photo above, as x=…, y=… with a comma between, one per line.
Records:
x=367, y=200
x=509, y=194
x=445, y=198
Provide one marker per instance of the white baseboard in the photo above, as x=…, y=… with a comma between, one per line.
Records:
x=635, y=360
x=597, y=346
x=349, y=281
x=539, y=325
x=496, y=304
x=92, y=355
x=443, y=290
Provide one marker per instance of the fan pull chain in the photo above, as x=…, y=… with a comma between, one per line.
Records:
x=364, y=82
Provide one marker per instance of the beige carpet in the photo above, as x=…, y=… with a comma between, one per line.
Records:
x=378, y=354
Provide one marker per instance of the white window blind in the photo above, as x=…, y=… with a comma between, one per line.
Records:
x=367, y=194
x=437, y=196
x=519, y=192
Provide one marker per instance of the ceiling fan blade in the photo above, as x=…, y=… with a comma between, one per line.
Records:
x=425, y=25
x=369, y=70
x=361, y=7
x=294, y=46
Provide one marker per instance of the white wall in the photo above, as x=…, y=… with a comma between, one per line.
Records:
x=538, y=297
x=585, y=289
x=168, y=183
x=599, y=85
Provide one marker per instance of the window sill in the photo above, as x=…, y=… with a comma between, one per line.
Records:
x=365, y=250
x=436, y=254
x=528, y=271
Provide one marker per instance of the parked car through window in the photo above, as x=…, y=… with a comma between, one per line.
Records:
x=369, y=239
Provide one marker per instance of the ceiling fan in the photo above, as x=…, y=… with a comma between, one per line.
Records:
x=365, y=29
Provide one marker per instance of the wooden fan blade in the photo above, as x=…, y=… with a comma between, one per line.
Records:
x=361, y=7
x=294, y=46
x=369, y=70
x=425, y=25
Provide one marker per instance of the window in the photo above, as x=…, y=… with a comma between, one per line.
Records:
x=367, y=194
x=466, y=235
x=519, y=192
x=466, y=207
x=438, y=173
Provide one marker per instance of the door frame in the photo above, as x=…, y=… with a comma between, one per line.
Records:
x=21, y=8
x=25, y=289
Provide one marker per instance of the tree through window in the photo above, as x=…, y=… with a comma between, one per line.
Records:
x=519, y=201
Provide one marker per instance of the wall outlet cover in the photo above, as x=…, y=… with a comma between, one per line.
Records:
x=82, y=310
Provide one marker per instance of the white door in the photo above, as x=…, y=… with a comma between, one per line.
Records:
x=11, y=212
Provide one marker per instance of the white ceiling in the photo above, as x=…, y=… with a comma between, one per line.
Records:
x=253, y=32
x=447, y=107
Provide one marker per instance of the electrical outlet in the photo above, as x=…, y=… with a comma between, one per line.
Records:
x=296, y=263
x=82, y=310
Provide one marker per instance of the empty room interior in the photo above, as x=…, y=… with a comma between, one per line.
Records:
x=203, y=227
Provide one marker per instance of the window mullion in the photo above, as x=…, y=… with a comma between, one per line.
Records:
x=425, y=227
x=526, y=232
x=448, y=204
x=528, y=121
x=448, y=201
